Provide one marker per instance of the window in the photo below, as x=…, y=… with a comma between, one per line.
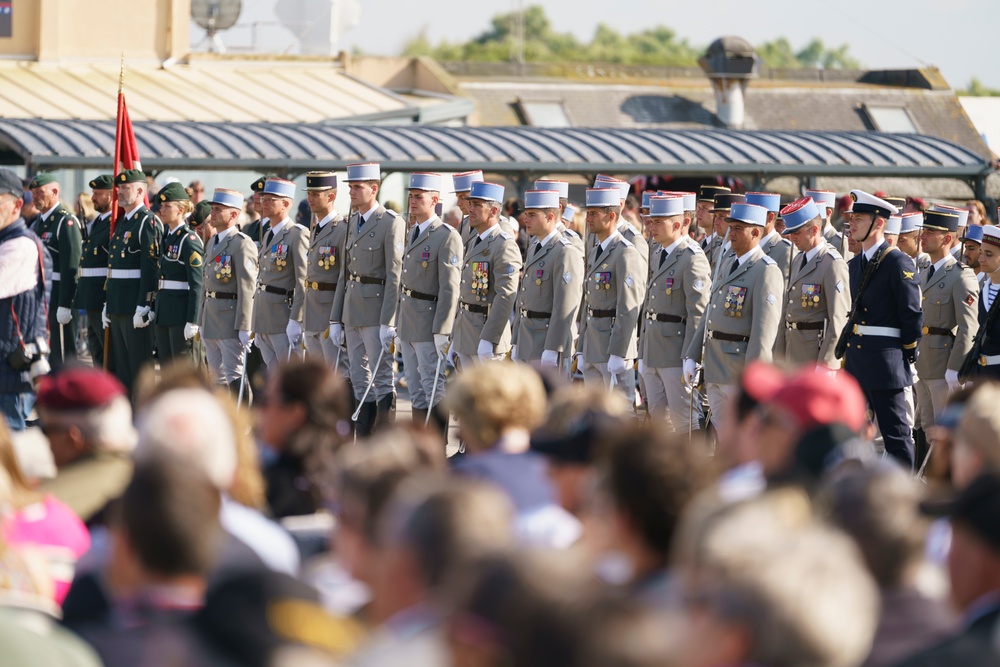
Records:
x=890, y=119
x=543, y=113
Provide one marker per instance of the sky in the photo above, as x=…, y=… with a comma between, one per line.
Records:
x=958, y=36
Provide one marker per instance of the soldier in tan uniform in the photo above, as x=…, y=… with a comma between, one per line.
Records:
x=950, y=304
x=463, y=185
x=722, y=249
x=364, y=307
x=613, y=294
x=625, y=228
x=428, y=300
x=706, y=219
x=826, y=203
x=743, y=315
x=676, y=298
x=229, y=281
x=819, y=293
x=278, y=305
x=562, y=187
x=489, y=281
x=552, y=287
x=324, y=269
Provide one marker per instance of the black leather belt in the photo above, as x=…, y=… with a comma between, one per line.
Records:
x=937, y=331
x=221, y=295
x=419, y=295
x=804, y=326
x=601, y=313
x=365, y=280
x=733, y=338
x=535, y=315
x=321, y=287
x=662, y=317
x=473, y=308
x=274, y=290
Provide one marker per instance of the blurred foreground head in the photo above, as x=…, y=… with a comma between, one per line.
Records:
x=494, y=399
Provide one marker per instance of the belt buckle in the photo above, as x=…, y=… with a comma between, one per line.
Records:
x=314, y=285
x=982, y=360
x=925, y=331
x=210, y=295
x=858, y=333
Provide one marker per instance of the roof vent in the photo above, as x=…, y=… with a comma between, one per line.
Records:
x=730, y=63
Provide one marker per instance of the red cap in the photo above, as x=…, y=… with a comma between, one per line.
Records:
x=815, y=399
x=761, y=380
x=78, y=388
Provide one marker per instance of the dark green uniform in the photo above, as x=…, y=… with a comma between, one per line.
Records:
x=61, y=235
x=91, y=278
x=178, y=296
x=133, y=259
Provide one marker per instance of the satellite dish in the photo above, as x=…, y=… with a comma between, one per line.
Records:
x=215, y=15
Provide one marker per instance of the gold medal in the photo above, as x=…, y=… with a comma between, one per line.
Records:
x=669, y=291
x=423, y=264
x=218, y=276
x=816, y=299
x=538, y=281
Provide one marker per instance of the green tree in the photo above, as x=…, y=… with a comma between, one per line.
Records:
x=977, y=88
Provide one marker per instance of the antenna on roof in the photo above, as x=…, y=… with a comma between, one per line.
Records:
x=214, y=16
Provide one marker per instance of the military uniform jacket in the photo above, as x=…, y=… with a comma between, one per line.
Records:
x=61, y=235
x=94, y=258
x=135, y=247
x=432, y=267
x=230, y=269
x=182, y=262
x=680, y=288
x=573, y=237
x=373, y=263
x=780, y=250
x=489, y=279
x=991, y=344
x=892, y=299
x=613, y=294
x=713, y=250
x=747, y=303
x=634, y=236
x=324, y=271
x=819, y=292
x=923, y=262
x=468, y=233
x=549, y=298
x=281, y=265
x=950, y=301
x=256, y=230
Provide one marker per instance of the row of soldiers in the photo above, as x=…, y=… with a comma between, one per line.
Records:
x=670, y=306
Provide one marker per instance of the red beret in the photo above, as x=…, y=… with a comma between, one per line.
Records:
x=78, y=388
x=761, y=380
x=815, y=399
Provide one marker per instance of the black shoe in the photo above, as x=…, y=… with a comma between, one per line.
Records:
x=386, y=411
x=366, y=419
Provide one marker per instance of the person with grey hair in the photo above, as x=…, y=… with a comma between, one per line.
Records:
x=433, y=527
x=879, y=508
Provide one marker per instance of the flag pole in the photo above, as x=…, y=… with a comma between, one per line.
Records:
x=114, y=190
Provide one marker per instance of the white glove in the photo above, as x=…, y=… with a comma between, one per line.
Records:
x=616, y=365
x=550, y=359
x=245, y=339
x=337, y=333
x=139, y=320
x=513, y=352
x=690, y=371
x=190, y=331
x=386, y=334
x=105, y=320
x=451, y=355
x=579, y=361
x=64, y=315
x=485, y=350
x=441, y=344
x=294, y=332
x=642, y=366
x=913, y=371
x=951, y=377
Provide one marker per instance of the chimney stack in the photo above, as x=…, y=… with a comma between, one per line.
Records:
x=730, y=63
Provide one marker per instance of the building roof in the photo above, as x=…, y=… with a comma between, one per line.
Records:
x=207, y=89
x=276, y=147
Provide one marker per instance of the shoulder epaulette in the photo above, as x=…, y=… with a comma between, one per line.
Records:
x=506, y=236
x=768, y=260
x=565, y=241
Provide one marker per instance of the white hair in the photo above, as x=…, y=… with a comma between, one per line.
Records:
x=192, y=424
x=107, y=428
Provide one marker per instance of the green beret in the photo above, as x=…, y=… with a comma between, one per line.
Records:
x=131, y=176
x=102, y=182
x=40, y=179
x=201, y=211
x=258, y=185
x=172, y=192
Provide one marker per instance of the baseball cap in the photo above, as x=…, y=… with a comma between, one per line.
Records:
x=10, y=183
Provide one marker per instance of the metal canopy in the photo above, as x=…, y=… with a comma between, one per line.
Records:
x=272, y=147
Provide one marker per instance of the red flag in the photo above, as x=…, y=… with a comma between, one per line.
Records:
x=126, y=149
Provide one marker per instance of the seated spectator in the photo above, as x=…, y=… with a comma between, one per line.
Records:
x=302, y=420
x=431, y=530
x=647, y=479
x=974, y=571
x=87, y=418
x=879, y=508
x=497, y=405
x=40, y=521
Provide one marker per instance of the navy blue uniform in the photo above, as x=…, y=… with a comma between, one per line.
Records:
x=891, y=300
x=991, y=344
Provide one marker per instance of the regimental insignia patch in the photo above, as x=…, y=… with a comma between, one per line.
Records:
x=907, y=275
x=970, y=300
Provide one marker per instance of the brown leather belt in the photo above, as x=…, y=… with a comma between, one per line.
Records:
x=535, y=315
x=221, y=295
x=733, y=338
x=473, y=308
x=662, y=317
x=419, y=295
x=937, y=331
x=365, y=280
x=274, y=290
x=804, y=326
x=321, y=287
x=601, y=313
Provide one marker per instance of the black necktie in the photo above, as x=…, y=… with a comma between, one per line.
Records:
x=215, y=240
x=864, y=262
x=735, y=265
x=361, y=221
x=415, y=234
x=600, y=249
x=663, y=256
x=930, y=274
x=268, y=237
x=802, y=264
x=478, y=241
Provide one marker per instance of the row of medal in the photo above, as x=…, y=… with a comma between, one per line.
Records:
x=223, y=266
x=734, y=301
x=480, y=279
